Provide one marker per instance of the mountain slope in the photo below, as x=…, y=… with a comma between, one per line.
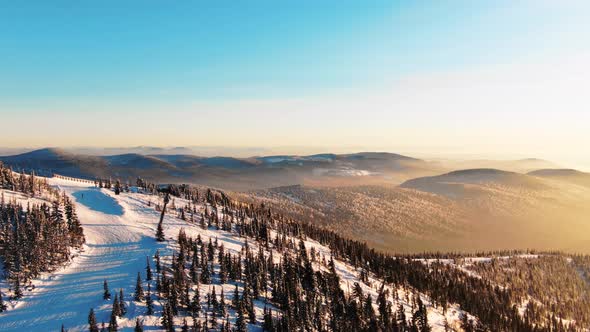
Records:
x=120, y=236
x=566, y=175
x=478, y=209
x=388, y=218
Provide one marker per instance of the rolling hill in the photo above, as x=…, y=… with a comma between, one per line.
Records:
x=477, y=209
x=228, y=172
x=565, y=175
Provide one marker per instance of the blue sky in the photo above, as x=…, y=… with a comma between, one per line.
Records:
x=72, y=60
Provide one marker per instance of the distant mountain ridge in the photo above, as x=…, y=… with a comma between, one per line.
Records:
x=564, y=175
x=228, y=172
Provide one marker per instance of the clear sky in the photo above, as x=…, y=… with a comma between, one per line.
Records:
x=489, y=78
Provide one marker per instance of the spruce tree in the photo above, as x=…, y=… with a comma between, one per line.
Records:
x=235, y=302
x=2, y=304
x=18, y=292
x=113, y=325
x=160, y=232
x=138, y=289
x=149, y=303
x=116, y=306
x=122, y=306
x=195, y=306
x=106, y=295
x=241, y=325
x=158, y=265
x=268, y=324
x=138, y=326
x=92, y=326
x=148, y=269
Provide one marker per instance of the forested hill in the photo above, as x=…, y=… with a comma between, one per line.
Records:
x=216, y=263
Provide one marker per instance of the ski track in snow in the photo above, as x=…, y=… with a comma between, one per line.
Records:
x=116, y=250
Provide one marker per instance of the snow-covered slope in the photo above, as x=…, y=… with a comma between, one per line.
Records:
x=119, y=232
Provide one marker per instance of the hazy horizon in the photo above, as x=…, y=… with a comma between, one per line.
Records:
x=257, y=151
x=491, y=80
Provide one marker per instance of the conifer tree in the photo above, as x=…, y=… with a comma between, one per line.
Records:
x=160, y=230
x=117, y=187
x=157, y=258
x=149, y=302
x=138, y=326
x=268, y=323
x=195, y=306
x=116, y=307
x=236, y=298
x=18, y=292
x=113, y=325
x=107, y=294
x=122, y=306
x=92, y=327
x=138, y=289
x=148, y=269
x=165, y=319
x=2, y=304
x=241, y=325
x=221, y=306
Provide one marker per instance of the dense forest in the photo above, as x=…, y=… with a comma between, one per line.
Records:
x=302, y=291
x=38, y=237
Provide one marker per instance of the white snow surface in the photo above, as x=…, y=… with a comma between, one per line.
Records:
x=119, y=232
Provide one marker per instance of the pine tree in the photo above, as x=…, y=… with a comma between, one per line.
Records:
x=113, y=325
x=106, y=295
x=195, y=306
x=241, y=325
x=401, y=317
x=384, y=309
x=116, y=307
x=165, y=319
x=149, y=302
x=117, y=187
x=205, y=273
x=148, y=269
x=122, y=306
x=2, y=304
x=160, y=232
x=138, y=326
x=138, y=289
x=268, y=324
x=18, y=292
x=157, y=258
x=221, y=306
x=92, y=327
x=236, y=298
